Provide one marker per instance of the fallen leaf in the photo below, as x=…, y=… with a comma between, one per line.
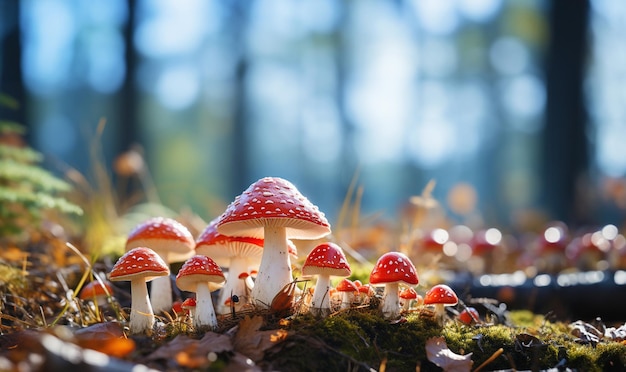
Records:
x=252, y=342
x=437, y=352
x=107, y=338
x=192, y=353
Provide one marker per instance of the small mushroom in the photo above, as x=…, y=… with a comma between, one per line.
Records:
x=391, y=269
x=273, y=209
x=139, y=265
x=469, y=316
x=407, y=295
x=195, y=276
x=440, y=296
x=325, y=260
x=96, y=291
x=189, y=306
x=347, y=289
x=170, y=240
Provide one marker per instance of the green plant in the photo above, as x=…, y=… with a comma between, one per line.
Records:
x=26, y=189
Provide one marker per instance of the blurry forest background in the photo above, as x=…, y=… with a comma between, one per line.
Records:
x=524, y=100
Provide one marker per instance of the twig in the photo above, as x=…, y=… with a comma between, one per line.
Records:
x=491, y=359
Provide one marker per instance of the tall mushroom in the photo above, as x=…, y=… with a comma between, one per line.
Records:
x=393, y=268
x=195, y=276
x=237, y=253
x=325, y=260
x=138, y=266
x=170, y=240
x=272, y=208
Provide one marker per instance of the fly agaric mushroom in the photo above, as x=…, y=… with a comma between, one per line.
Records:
x=273, y=209
x=96, y=291
x=170, y=240
x=325, y=260
x=391, y=269
x=189, y=306
x=195, y=276
x=347, y=289
x=407, y=295
x=440, y=296
x=237, y=253
x=139, y=265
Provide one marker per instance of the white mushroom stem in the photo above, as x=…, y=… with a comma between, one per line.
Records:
x=141, y=314
x=406, y=305
x=346, y=299
x=233, y=285
x=205, y=314
x=440, y=311
x=390, y=305
x=321, y=295
x=161, y=294
x=275, y=269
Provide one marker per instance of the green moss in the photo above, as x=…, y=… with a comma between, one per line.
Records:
x=361, y=339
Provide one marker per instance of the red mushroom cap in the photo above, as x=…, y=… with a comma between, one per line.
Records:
x=469, y=315
x=163, y=235
x=326, y=259
x=243, y=275
x=273, y=201
x=140, y=262
x=95, y=289
x=408, y=293
x=189, y=303
x=222, y=247
x=435, y=240
x=177, y=307
x=394, y=267
x=346, y=285
x=366, y=289
x=441, y=294
x=198, y=269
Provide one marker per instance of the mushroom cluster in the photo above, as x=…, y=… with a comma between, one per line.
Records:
x=249, y=248
x=273, y=209
x=172, y=242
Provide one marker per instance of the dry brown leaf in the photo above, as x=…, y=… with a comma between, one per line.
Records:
x=252, y=342
x=437, y=352
x=107, y=338
x=192, y=353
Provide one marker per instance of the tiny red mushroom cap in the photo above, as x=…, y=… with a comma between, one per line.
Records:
x=469, y=315
x=441, y=294
x=198, y=269
x=139, y=262
x=273, y=201
x=95, y=289
x=163, y=235
x=394, y=267
x=408, y=294
x=326, y=259
x=189, y=303
x=346, y=285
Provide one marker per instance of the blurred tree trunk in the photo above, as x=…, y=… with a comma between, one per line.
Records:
x=11, y=81
x=237, y=18
x=565, y=144
x=128, y=97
